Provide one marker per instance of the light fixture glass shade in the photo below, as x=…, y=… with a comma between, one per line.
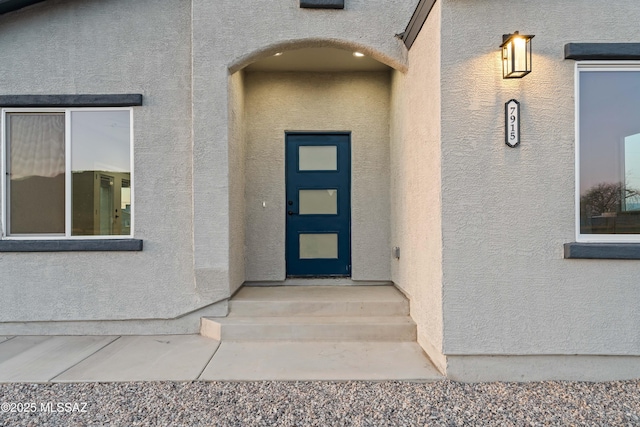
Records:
x=516, y=55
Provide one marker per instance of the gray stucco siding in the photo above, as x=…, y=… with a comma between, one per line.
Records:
x=507, y=212
x=69, y=47
x=416, y=192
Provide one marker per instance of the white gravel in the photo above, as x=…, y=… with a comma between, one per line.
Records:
x=269, y=403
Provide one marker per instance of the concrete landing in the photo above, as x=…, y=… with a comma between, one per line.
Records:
x=193, y=357
x=285, y=360
x=319, y=301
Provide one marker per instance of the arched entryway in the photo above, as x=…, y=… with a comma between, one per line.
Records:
x=319, y=93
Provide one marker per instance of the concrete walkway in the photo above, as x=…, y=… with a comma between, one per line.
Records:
x=193, y=357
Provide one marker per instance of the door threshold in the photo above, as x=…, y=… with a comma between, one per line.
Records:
x=316, y=281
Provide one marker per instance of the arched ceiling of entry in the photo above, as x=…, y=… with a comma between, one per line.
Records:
x=318, y=59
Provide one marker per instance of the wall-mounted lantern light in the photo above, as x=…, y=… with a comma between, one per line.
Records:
x=516, y=55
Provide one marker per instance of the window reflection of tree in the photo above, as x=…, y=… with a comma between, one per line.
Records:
x=610, y=208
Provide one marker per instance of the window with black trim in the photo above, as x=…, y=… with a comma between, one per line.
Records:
x=67, y=173
x=608, y=152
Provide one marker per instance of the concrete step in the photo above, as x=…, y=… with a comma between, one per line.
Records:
x=286, y=301
x=309, y=328
x=319, y=361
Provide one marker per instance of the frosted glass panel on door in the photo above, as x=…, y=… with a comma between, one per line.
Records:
x=319, y=202
x=318, y=246
x=318, y=158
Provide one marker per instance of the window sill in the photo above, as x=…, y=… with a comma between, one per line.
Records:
x=322, y=4
x=601, y=250
x=96, y=245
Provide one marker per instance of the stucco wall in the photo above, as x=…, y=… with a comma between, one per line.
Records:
x=415, y=185
x=507, y=211
x=236, y=180
x=279, y=102
x=95, y=47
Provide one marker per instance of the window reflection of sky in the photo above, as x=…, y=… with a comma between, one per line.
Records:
x=609, y=112
x=100, y=141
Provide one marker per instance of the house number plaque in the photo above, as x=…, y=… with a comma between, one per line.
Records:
x=512, y=123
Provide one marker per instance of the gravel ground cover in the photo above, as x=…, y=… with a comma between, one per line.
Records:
x=355, y=403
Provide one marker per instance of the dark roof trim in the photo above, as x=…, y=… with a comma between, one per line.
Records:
x=7, y=6
x=121, y=100
x=418, y=19
x=602, y=51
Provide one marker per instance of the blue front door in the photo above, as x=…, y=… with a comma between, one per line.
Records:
x=318, y=176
